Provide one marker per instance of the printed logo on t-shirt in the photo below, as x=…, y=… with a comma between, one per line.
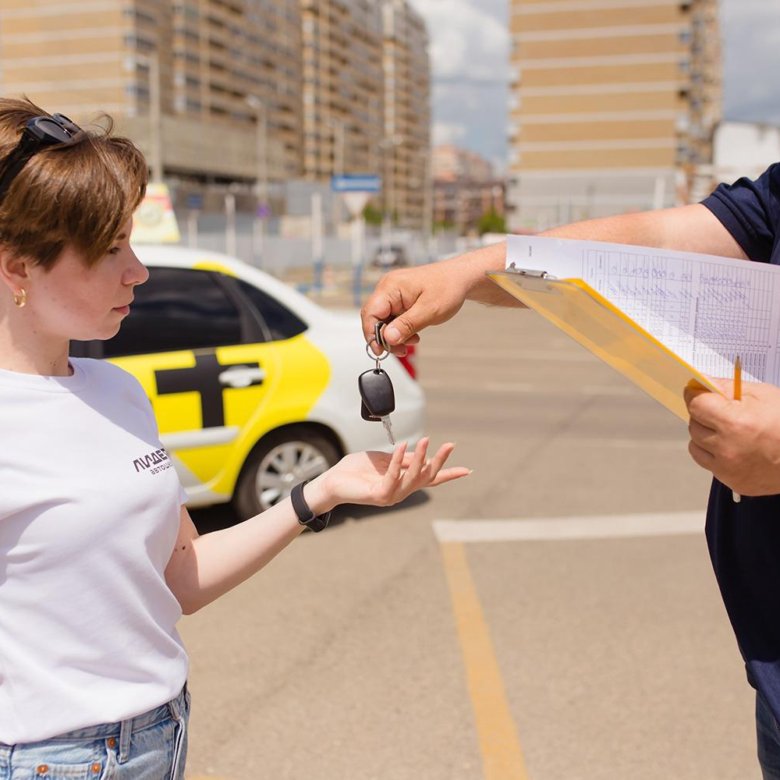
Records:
x=154, y=462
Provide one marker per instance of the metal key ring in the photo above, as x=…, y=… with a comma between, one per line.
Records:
x=369, y=352
x=378, y=335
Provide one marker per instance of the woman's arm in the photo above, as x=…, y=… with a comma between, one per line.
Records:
x=202, y=568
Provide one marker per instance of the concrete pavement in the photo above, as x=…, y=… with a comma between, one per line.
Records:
x=606, y=652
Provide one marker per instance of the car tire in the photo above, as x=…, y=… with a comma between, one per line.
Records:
x=278, y=462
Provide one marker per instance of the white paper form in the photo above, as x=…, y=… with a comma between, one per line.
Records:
x=706, y=309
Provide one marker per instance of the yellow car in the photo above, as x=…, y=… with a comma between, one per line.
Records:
x=253, y=385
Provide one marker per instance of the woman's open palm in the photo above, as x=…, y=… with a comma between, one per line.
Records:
x=382, y=479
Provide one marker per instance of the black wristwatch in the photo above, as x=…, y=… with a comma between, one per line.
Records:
x=305, y=515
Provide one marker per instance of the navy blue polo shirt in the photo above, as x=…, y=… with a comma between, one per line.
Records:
x=744, y=537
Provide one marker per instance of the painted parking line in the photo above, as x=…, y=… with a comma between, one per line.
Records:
x=570, y=528
x=502, y=756
x=499, y=742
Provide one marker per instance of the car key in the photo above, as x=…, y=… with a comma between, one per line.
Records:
x=376, y=389
x=378, y=398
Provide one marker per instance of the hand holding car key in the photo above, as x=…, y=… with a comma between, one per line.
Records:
x=376, y=389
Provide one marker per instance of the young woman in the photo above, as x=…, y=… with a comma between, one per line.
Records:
x=97, y=560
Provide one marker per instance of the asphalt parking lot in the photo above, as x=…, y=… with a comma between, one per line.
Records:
x=552, y=616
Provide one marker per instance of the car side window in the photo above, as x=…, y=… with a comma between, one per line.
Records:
x=278, y=319
x=177, y=308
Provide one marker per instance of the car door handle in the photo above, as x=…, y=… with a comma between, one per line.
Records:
x=242, y=376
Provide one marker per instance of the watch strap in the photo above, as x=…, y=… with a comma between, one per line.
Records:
x=303, y=511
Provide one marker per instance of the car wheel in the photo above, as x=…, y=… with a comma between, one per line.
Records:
x=279, y=462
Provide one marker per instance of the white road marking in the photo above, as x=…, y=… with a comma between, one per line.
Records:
x=570, y=528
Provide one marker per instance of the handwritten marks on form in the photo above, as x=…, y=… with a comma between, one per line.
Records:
x=706, y=309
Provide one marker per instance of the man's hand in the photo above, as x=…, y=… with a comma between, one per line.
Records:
x=738, y=441
x=414, y=298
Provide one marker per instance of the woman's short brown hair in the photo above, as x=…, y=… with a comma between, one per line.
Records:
x=79, y=194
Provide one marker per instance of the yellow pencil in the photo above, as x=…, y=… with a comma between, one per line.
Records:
x=737, y=379
x=737, y=397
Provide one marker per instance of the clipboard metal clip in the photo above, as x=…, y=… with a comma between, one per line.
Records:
x=529, y=272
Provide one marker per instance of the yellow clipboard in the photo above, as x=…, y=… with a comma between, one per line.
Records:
x=591, y=320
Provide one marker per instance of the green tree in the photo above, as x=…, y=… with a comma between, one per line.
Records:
x=491, y=222
x=372, y=215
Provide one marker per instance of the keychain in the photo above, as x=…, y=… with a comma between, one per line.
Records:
x=376, y=389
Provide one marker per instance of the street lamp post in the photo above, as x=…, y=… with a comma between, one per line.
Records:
x=152, y=62
x=387, y=145
x=261, y=172
x=338, y=161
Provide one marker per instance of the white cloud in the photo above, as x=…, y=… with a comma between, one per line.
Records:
x=448, y=133
x=466, y=39
x=470, y=52
x=751, y=59
x=469, y=58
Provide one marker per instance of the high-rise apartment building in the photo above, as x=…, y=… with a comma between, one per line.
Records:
x=405, y=144
x=208, y=88
x=613, y=104
x=237, y=62
x=366, y=97
x=251, y=91
x=342, y=86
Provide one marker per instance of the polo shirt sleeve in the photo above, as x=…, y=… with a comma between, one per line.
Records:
x=750, y=211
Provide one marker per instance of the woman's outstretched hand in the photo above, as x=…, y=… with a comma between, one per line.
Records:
x=382, y=479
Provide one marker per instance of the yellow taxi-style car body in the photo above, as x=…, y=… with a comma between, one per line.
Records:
x=254, y=386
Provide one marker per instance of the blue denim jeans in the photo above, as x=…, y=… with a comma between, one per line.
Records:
x=768, y=738
x=152, y=746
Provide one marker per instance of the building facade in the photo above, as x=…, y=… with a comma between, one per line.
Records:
x=465, y=189
x=234, y=93
x=342, y=86
x=405, y=143
x=208, y=88
x=613, y=105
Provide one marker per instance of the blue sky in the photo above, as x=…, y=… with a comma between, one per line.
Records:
x=469, y=54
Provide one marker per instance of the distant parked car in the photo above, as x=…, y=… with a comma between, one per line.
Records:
x=390, y=257
x=254, y=386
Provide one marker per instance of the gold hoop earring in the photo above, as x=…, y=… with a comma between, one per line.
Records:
x=20, y=298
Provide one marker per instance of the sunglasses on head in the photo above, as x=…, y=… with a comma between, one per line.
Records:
x=38, y=133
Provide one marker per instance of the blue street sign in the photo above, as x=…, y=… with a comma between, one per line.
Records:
x=194, y=201
x=356, y=182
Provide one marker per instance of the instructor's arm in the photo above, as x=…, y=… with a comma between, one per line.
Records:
x=432, y=294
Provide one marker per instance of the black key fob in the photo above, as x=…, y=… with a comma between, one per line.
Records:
x=376, y=392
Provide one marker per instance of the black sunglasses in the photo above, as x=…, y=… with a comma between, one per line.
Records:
x=39, y=132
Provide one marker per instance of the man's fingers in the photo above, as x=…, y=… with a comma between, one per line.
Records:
x=700, y=456
x=693, y=390
x=401, y=330
x=705, y=440
x=709, y=409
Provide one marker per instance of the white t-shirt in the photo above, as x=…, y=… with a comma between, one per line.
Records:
x=89, y=514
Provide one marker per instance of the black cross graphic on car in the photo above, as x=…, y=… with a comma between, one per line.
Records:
x=208, y=377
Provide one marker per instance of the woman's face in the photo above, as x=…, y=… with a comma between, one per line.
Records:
x=74, y=301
